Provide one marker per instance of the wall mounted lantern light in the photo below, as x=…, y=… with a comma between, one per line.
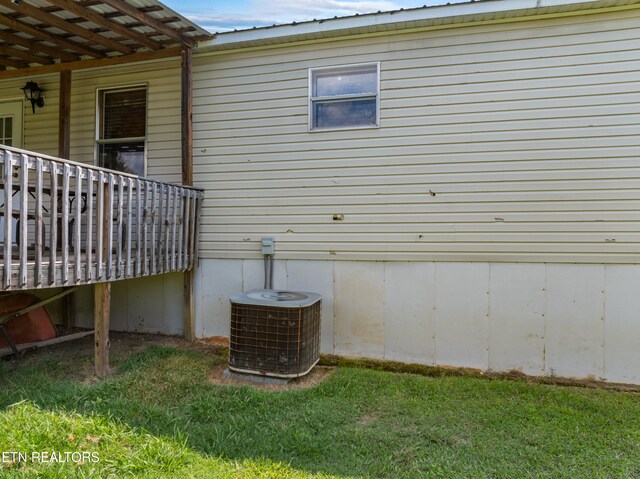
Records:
x=33, y=93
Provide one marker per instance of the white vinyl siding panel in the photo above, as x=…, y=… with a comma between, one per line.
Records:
x=516, y=142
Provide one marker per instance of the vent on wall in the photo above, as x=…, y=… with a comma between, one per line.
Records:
x=275, y=333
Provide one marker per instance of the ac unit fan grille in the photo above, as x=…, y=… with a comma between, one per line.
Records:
x=274, y=340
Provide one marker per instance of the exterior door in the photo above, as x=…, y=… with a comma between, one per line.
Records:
x=11, y=123
x=11, y=135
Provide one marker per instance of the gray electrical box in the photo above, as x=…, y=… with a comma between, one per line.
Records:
x=268, y=246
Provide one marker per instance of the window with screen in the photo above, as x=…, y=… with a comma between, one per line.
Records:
x=122, y=129
x=344, y=97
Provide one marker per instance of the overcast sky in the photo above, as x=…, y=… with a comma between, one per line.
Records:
x=224, y=15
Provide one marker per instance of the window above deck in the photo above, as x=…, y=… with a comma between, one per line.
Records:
x=122, y=129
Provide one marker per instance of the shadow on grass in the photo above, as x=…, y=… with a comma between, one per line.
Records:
x=166, y=392
x=358, y=423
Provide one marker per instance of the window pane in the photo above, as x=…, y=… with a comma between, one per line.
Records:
x=356, y=80
x=8, y=127
x=330, y=114
x=124, y=114
x=127, y=157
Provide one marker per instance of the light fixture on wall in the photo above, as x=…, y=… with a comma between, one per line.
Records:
x=33, y=93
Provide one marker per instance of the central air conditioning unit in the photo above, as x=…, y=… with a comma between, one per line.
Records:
x=275, y=333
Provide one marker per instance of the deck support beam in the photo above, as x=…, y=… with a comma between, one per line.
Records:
x=188, y=310
x=101, y=313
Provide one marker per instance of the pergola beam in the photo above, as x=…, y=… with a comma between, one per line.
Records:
x=62, y=24
x=83, y=64
x=49, y=37
x=82, y=3
x=8, y=62
x=24, y=55
x=35, y=46
x=150, y=22
x=98, y=19
x=64, y=35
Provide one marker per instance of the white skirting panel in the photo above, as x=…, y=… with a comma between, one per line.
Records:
x=141, y=305
x=565, y=320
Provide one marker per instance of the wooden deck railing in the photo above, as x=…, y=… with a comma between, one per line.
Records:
x=64, y=223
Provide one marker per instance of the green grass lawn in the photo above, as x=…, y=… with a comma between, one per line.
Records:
x=159, y=415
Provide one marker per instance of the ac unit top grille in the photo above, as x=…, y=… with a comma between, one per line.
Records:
x=277, y=298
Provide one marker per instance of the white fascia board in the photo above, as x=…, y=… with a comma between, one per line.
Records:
x=470, y=10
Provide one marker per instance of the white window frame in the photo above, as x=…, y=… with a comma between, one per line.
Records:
x=339, y=68
x=18, y=120
x=98, y=141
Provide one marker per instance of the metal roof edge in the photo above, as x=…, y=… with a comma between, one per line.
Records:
x=458, y=13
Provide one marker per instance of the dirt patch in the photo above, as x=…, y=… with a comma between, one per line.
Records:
x=318, y=375
x=125, y=344
x=219, y=341
x=367, y=419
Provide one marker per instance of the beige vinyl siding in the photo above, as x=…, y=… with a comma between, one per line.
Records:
x=40, y=128
x=510, y=142
x=163, y=113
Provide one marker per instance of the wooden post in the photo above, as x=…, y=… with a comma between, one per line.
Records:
x=101, y=311
x=64, y=116
x=187, y=117
x=102, y=298
x=64, y=151
x=188, y=310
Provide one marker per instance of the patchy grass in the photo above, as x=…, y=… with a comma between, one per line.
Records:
x=160, y=416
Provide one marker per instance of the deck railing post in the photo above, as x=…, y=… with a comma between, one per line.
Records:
x=8, y=217
x=166, y=265
x=53, y=225
x=187, y=236
x=89, y=230
x=154, y=199
x=22, y=231
x=174, y=196
x=180, y=226
x=120, y=231
x=65, y=222
x=139, y=222
x=108, y=227
x=130, y=208
x=101, y=191
x=40, y=242
x=77, y=246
